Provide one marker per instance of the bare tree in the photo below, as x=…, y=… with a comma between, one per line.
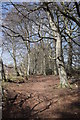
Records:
x=39, y=22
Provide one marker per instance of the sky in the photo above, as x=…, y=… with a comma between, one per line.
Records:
x=0, y=27
x=39, y=0
x=19, y=0
x=6, y=57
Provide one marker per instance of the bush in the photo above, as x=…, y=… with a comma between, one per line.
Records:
x=17, y=79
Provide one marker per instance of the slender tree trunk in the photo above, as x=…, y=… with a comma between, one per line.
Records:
x=55, y=64
x=14, y=57
x=28, y=49
x=70, y=57
x=28, y=57
x=15, y=64
x=2, y=72
x=16, y=68
x=35, y=60
x=41, y=68
x=0, y=69
x=69, y=51
x=44, y=65
x=28, y=67
x=35, y=65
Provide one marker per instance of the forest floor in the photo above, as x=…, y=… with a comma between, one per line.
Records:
x=39, y=98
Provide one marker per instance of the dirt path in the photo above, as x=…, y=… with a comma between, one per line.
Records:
x=40, y=98
x=0, y=101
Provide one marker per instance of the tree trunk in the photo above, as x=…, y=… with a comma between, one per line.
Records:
x=59, y=58
x=0, y=69
x=16, y=67
x=60, y=63
x=2, y=72
x=35, y=65
x=54, y=42
x=70, y=57
x=44, y=65
x=15, y=64
x=28, y=67
x=55, y=64
x=14, y=57
x=41, y=69
x=28, y=56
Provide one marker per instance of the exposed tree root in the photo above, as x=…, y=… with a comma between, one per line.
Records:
x=66, y=85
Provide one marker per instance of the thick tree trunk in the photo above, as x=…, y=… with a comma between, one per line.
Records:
x=59, y=58
x=54, y=42
x=60, y=63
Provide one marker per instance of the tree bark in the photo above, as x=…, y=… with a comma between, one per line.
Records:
x=60, y=63
x=15, y=64
x=28, y=67
x=55, y=64
x=44, y=65
x=14, y=57
x=28, y=49
x=35, y=64
x=54, y=42
x=2, y=72
x=70, y=57
x=59, y=58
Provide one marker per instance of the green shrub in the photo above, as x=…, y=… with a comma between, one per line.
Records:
x=17, y=79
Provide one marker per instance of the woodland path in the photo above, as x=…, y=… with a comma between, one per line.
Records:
x=0, y=101
x=39, y=97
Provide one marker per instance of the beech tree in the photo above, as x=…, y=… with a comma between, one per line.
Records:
x=46, y=21
x=60, y=63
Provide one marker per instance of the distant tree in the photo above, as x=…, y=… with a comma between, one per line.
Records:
x=51, y=29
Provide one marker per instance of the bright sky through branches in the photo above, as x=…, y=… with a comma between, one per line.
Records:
x=6, y=56
x=39, y=0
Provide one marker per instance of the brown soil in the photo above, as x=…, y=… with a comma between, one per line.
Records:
x=40, y=97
